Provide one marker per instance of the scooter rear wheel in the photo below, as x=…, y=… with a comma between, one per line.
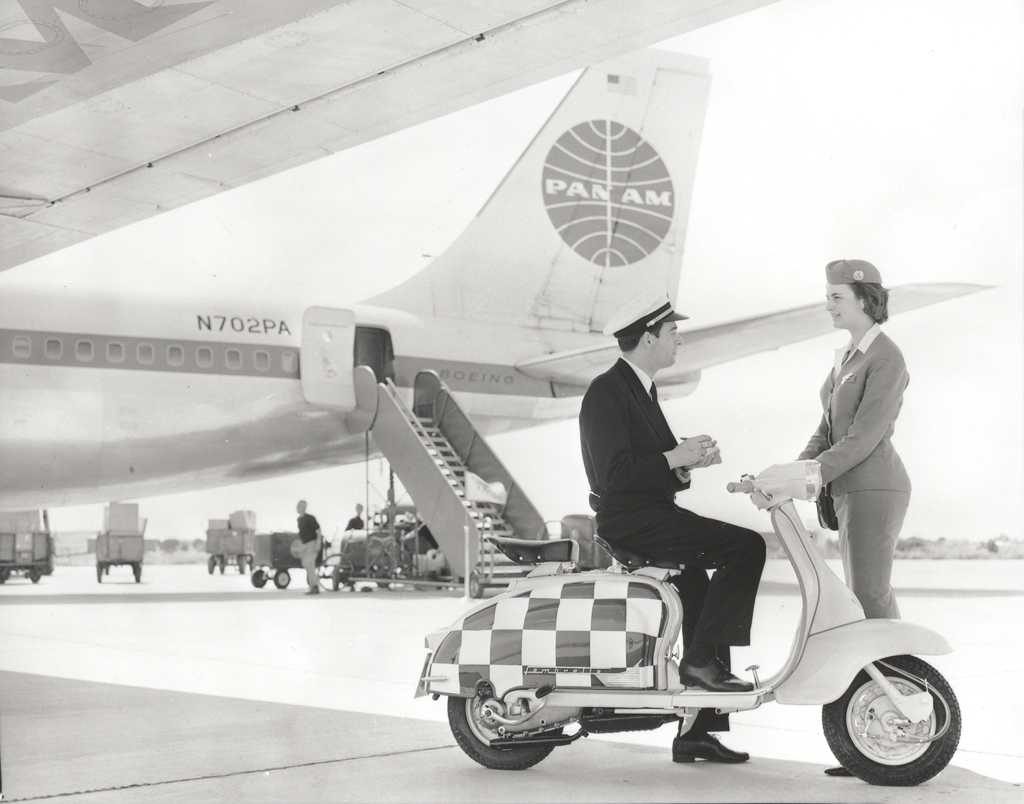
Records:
x=472, y=734
x=864, y=731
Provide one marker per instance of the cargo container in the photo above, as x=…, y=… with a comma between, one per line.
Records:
x=26, y=546
x=231, y=541
x=122, y=541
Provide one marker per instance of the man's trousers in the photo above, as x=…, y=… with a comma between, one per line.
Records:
x=718, y=611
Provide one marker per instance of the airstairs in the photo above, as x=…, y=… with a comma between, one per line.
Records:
x=430, y=446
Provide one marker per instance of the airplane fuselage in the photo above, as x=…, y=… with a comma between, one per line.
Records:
x=114, y=398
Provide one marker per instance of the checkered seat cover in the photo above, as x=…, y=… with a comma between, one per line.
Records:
x=566, y=634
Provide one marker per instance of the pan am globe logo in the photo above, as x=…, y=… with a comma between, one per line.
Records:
x=608, y=193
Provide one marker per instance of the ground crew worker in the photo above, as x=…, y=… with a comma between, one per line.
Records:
x=311, y=538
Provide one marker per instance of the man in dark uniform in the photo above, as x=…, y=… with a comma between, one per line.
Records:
x=635, y=466
x=356, y=522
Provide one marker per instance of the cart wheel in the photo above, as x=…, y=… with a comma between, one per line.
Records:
x=137, y=572
x=282, y=578
x=99, y=573
x=34, y=575
x=241, y=565
x=476, y=589
x=106, y=569
x=259, y=579
x=222, y=561
x=211, y=564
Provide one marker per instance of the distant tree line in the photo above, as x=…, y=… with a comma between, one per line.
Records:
x=178, y=545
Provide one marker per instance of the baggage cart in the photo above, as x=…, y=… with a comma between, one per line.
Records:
x=122, y=541
x=231, y=541
x=26, y=546
x=272, y=558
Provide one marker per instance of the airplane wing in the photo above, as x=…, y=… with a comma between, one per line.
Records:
x=720, y=343
x=113, y=111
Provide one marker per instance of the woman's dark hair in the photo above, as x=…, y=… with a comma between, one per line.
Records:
x=875, y=298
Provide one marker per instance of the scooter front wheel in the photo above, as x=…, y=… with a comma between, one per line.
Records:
x=872, y=740
x=472, y=734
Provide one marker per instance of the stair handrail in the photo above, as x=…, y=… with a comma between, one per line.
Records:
x=416, y=428
x=435, y=393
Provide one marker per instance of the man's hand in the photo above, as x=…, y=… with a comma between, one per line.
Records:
x=696, y=451
x=713, y=457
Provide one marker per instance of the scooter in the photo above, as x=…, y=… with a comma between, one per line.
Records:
x=562, y=654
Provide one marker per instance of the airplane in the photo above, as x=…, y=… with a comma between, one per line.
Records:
x=112, y=111
x=119, y=398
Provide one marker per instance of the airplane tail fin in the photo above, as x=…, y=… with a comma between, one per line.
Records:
x=593, y=212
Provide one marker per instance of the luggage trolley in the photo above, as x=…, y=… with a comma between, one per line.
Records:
x=26, y=546
x=122, y=540
x=231, y=541
x=273, y=558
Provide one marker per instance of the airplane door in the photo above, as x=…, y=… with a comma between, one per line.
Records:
x=328, y=337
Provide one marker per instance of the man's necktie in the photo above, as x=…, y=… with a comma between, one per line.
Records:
x=654, y=392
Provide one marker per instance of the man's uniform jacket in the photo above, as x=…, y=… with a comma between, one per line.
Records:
x=861, y=401
x=624, y=436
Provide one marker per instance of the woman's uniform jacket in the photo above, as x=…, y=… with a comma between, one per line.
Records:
x=861, y=400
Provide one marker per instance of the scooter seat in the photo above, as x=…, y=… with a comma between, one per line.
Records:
x=631, y=560
x=534, y=551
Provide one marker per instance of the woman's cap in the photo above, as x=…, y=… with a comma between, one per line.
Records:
x=641, y=313
x=843, y=272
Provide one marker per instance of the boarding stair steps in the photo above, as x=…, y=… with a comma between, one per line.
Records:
x=493, y=565
x=430, y=446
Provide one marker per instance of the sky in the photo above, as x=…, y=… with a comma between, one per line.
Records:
x=890, y=131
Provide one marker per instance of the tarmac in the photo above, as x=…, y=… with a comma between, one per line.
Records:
x=87, y=742
x=190, y=687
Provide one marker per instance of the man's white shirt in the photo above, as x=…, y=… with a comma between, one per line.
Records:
x=645, y=381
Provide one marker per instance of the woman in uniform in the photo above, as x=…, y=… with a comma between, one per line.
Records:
x=861, y=398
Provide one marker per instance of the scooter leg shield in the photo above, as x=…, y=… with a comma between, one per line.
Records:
x=831, y=658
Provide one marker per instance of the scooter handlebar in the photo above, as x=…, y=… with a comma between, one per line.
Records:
x=745, y=486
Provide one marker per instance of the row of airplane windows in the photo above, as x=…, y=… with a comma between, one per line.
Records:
x=146, y=354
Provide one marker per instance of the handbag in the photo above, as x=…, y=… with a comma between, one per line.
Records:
x=827, y=509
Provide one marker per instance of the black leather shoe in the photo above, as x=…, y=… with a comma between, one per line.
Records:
x=689, y=748
x=837, y=771
x=712, y=677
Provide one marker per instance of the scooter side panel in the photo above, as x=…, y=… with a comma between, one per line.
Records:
x=563, y=631
x=831, y=659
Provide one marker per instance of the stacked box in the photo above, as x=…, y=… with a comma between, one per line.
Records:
x=20, y=521
x=243, y=520
x=121, y=518
x=217, y=524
